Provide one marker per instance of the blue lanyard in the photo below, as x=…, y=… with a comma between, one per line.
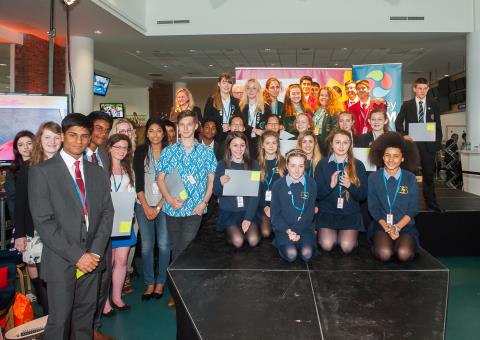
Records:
x=273, y=174
x=275, y=108
x=303, y=205
x=226, y=116
x=156, y=166
x=339, y=175
x=83, y=200
x=115, y=182
x=390, y=204
x=309, y=172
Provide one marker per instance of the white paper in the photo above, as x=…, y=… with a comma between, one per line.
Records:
x=285, y=135
x=287, y=145
x=362, y=155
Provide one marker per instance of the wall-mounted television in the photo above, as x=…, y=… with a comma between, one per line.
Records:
x=100, y=84
x=115, y=110
x=26, y=112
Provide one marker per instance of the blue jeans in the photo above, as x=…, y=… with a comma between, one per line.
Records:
x=151, y=230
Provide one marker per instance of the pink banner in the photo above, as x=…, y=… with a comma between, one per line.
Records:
x=287, y=76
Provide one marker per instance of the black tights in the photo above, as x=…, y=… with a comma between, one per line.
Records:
x=236, y=236
x=266, y=226
x=347, y=239
x=290, y=253
x=40, y=291
x=385, y=247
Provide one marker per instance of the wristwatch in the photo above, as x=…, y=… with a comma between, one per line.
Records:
x=206, y=203
x=397, y=229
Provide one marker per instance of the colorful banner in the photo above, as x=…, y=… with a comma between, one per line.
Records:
x=385, y=82
x=287, y=76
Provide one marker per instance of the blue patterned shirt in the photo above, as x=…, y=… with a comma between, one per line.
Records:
x=199, y=164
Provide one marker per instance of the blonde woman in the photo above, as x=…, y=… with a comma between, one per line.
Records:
x=184, y=101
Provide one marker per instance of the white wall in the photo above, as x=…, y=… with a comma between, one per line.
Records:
x=132, y=12
x=201, y=91
x=306, y=16
x=135, y=99
x=452, y=120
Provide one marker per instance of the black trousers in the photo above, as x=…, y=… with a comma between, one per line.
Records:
x=427, y=160
x=104, y=288
x=72, y=307
x=181, y=232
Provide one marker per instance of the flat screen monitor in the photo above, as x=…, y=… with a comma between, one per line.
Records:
x=26, y=112
x=100, y=84
x=115, y=110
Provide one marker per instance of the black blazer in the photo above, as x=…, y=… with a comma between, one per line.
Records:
x=408, y=114
x=365, y=140
x=211, y=113
x=58, y=216
x=260, y=120
x=23, y=218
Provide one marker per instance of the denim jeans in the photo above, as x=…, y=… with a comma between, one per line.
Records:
x=151, y=230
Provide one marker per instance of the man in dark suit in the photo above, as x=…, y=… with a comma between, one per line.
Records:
x=73, y=213
x=423, y=110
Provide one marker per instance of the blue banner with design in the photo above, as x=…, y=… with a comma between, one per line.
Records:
x=385, y=82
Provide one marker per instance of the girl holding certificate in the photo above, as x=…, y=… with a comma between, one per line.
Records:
x=292, y=209
x=307, y=142
x=237, y=214
x=341, y=186
x=119, y=150
x=393, y=198
x=272, y=168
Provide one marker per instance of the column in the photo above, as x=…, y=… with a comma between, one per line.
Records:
x=81, y=58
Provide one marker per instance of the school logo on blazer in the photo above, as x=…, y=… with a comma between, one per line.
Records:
x=403, y=190
x=304, y=195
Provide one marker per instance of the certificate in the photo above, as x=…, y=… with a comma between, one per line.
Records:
x=242, y=183
x=124, y=204
x=362, y=155
x=287, y=145
x=175, y=186
x=422, y=132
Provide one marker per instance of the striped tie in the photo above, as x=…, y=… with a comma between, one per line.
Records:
x=420, y=112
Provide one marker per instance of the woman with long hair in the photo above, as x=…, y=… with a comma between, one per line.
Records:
x=341, y=186
x=222, y=106
x=378, y=120
x=148, y=210
x=254, y=109
x=46, y=144
x=272, y=168
x=119, y=148
x=307, y=142
x=270, y=95
x=328, y=107
x=393, y=198
x=184, y=101
x=294, y=104
x=237, y=215
x=125, y=126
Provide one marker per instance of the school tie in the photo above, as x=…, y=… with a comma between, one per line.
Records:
x=94, y=158
x=420, y=112
x=81, y=185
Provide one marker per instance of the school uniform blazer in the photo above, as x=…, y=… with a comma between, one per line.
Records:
x=365, y=140
x=408, y=114
x=357, y=114
x=22, y=216
x=58, y=216
x=211, y=113
x=260, y=118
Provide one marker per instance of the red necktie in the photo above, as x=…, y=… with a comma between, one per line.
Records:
x=364, y=108
x=94, y=158
x=81, y=185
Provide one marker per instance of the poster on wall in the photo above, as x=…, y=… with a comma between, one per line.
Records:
x=323, y=76
x=138, y=119
x=385, y=82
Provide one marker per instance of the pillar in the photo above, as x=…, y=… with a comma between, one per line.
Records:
x=81, y=58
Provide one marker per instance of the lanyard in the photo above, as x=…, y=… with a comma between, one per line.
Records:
x=252, y=118
x=303, y=205
x=340, y=174
x=364, y=114
x=390, y=204
x=83, y=200
x=268, y=182
x=274, y=108
x=115, y=181
x=156, y=166
x=309, y=172
x=226, y=115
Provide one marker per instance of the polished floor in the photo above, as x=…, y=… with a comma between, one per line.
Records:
x=154, y=320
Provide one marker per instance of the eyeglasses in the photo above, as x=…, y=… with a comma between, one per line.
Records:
x=125, y=132
x=120, y=148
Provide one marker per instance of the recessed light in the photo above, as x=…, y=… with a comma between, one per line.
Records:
x=3, y=64
x=336, y=64
x=272, y=64
x=211, y=65
x=446, y=75
x=344, y=49
x=165, y=66
x=138, y=52
x=267, y=50
x=192, y=51
x=97, y=32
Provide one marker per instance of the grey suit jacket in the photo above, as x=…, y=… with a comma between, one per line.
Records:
x=103, y=158
x=58, y=216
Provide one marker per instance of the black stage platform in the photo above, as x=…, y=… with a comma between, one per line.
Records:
x=456, y=231
x=223, y=293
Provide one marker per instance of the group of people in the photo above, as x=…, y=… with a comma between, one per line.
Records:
x=313, y=196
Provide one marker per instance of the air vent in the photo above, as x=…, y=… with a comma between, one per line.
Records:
x=171, y=22
x=155, y=75
x=193, y=73
x=398, y=18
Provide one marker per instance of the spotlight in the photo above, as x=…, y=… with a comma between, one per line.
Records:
x=69, y=2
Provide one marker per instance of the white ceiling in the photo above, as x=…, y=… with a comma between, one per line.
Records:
x=186, y=58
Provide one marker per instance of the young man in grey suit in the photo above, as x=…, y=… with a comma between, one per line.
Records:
x=423, y=110
x=72, y=210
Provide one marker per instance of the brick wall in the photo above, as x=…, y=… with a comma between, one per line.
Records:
x=161, y=98
x=31, y=66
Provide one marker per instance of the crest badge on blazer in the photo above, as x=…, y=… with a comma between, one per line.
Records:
x=403, y=190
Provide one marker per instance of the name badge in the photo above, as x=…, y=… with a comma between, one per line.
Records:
x=340, y=203
x=239, y=201
x=365, y=130
x=390, y=219
x=253, y=135
x=268, y=195
x=155, y=189
x=191, y=179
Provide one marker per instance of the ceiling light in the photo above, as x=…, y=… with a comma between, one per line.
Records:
x=138, y=52
x=69, y=2
x=272, y=64
x=211, y=65
x=267, y=50
x=344, y=49
x=165, y=66
x=3, y=64
x=336, y=64
x=445, y=75
x=97, y=32
x=192, y=51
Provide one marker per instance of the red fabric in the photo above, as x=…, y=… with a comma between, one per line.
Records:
x=22, y=310
x=3, y=277
x=81, y=185
x=356, y=109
